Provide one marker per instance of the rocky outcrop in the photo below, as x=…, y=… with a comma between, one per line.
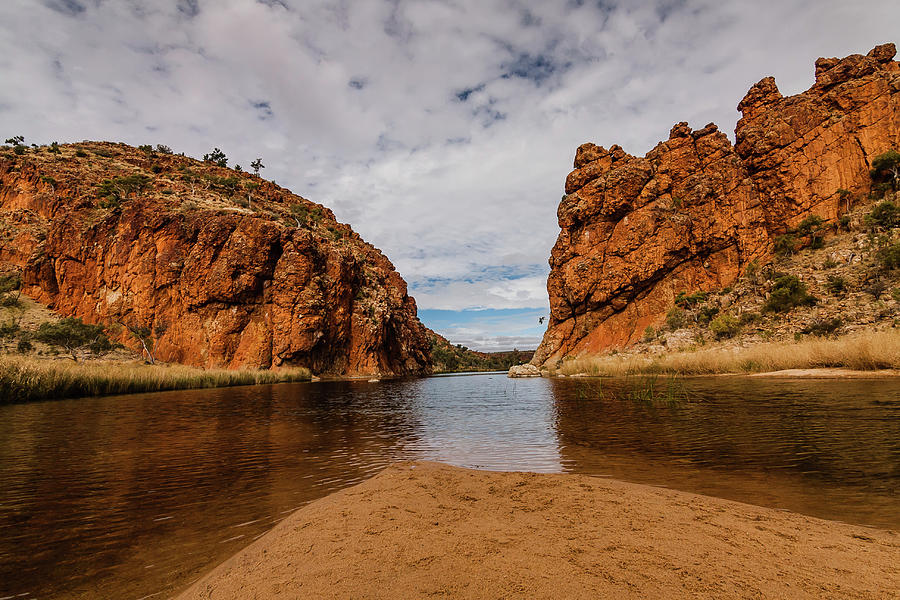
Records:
x=226, y=269
x=526, y=370
x=693, y=212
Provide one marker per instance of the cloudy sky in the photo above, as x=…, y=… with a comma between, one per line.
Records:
x=441, y=130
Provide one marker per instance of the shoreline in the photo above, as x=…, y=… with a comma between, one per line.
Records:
x=426, y=529
x=862, y=352
x=26, y=379
x=816, y=373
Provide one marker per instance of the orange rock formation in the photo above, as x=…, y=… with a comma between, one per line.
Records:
x=227, y=269
x=693, y=212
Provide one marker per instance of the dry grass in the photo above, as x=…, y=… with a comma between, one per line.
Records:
x=23, y=379
x=862, y=352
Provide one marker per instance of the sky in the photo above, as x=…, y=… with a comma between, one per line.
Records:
x=441, y=130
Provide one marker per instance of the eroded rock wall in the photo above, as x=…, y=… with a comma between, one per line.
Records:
x=222, y=283
x=693, y=212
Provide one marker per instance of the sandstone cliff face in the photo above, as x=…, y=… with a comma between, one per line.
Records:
x=693, y=212
x=227, y=269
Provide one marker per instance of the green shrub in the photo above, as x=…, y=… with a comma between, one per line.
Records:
x=24, y=346
x=80, y=153
x=146, y=148
x=217, y=157
x=675, y=318
x=649, y=334
x=786, y=244
x=750, y=317
x=829, y=263
x=876, y=287
x=163, y=149
x=836, y=285
x=822, y=327
x=725, y=326
x=810, y=225
x=113, y=191
x=846, y=196
x=751, y=271
x=884, y=214
x=886, y=168
x=10, y=300
x=8, y=329
x=227, y=185
x=10, y=282
x=72, y=335
x=685, y=300
x=889, y=256
x=845, y=222
x=19, y=149
x=787, y=293
x=706, y=314
x=54, y=148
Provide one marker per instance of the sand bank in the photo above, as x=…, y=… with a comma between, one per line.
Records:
x=422, y=530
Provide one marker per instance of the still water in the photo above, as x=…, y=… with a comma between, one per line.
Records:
x=136, y=496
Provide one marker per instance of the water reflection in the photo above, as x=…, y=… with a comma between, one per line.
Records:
x=129, y=496
x=827, y=448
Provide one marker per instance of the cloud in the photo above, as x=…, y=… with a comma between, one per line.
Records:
x=441, y=130
x=489, y=330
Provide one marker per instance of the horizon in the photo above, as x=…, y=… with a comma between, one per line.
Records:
x=450, y=162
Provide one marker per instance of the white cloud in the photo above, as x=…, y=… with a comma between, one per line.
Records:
x=443, y=130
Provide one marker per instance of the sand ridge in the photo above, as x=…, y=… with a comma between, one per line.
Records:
x=422, y=529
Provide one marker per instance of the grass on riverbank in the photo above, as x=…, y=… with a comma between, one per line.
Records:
x=24, y=379
x=867, y=351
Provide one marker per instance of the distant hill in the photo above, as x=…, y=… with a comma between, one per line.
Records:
x=450, y=358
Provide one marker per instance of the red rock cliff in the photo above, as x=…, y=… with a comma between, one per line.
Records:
x=696, y=209
x=228, y=269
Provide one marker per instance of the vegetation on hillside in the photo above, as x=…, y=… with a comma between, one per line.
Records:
x=828, y=279
x=450, y=358
x=109, y=176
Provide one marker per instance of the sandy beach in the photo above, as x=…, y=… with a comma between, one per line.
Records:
x=429, y=530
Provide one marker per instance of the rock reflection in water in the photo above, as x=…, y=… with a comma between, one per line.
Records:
x=828, y=448
x=129, y=496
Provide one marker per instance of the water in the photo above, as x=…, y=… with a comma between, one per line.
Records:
x=136, y=496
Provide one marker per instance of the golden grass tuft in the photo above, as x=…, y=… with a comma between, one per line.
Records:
x=867, y=351
x=23, y=379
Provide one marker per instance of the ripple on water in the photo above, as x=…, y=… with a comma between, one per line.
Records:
x=138, y=495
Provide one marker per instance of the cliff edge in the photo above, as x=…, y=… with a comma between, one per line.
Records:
x=225, y=268
x=696, y=210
